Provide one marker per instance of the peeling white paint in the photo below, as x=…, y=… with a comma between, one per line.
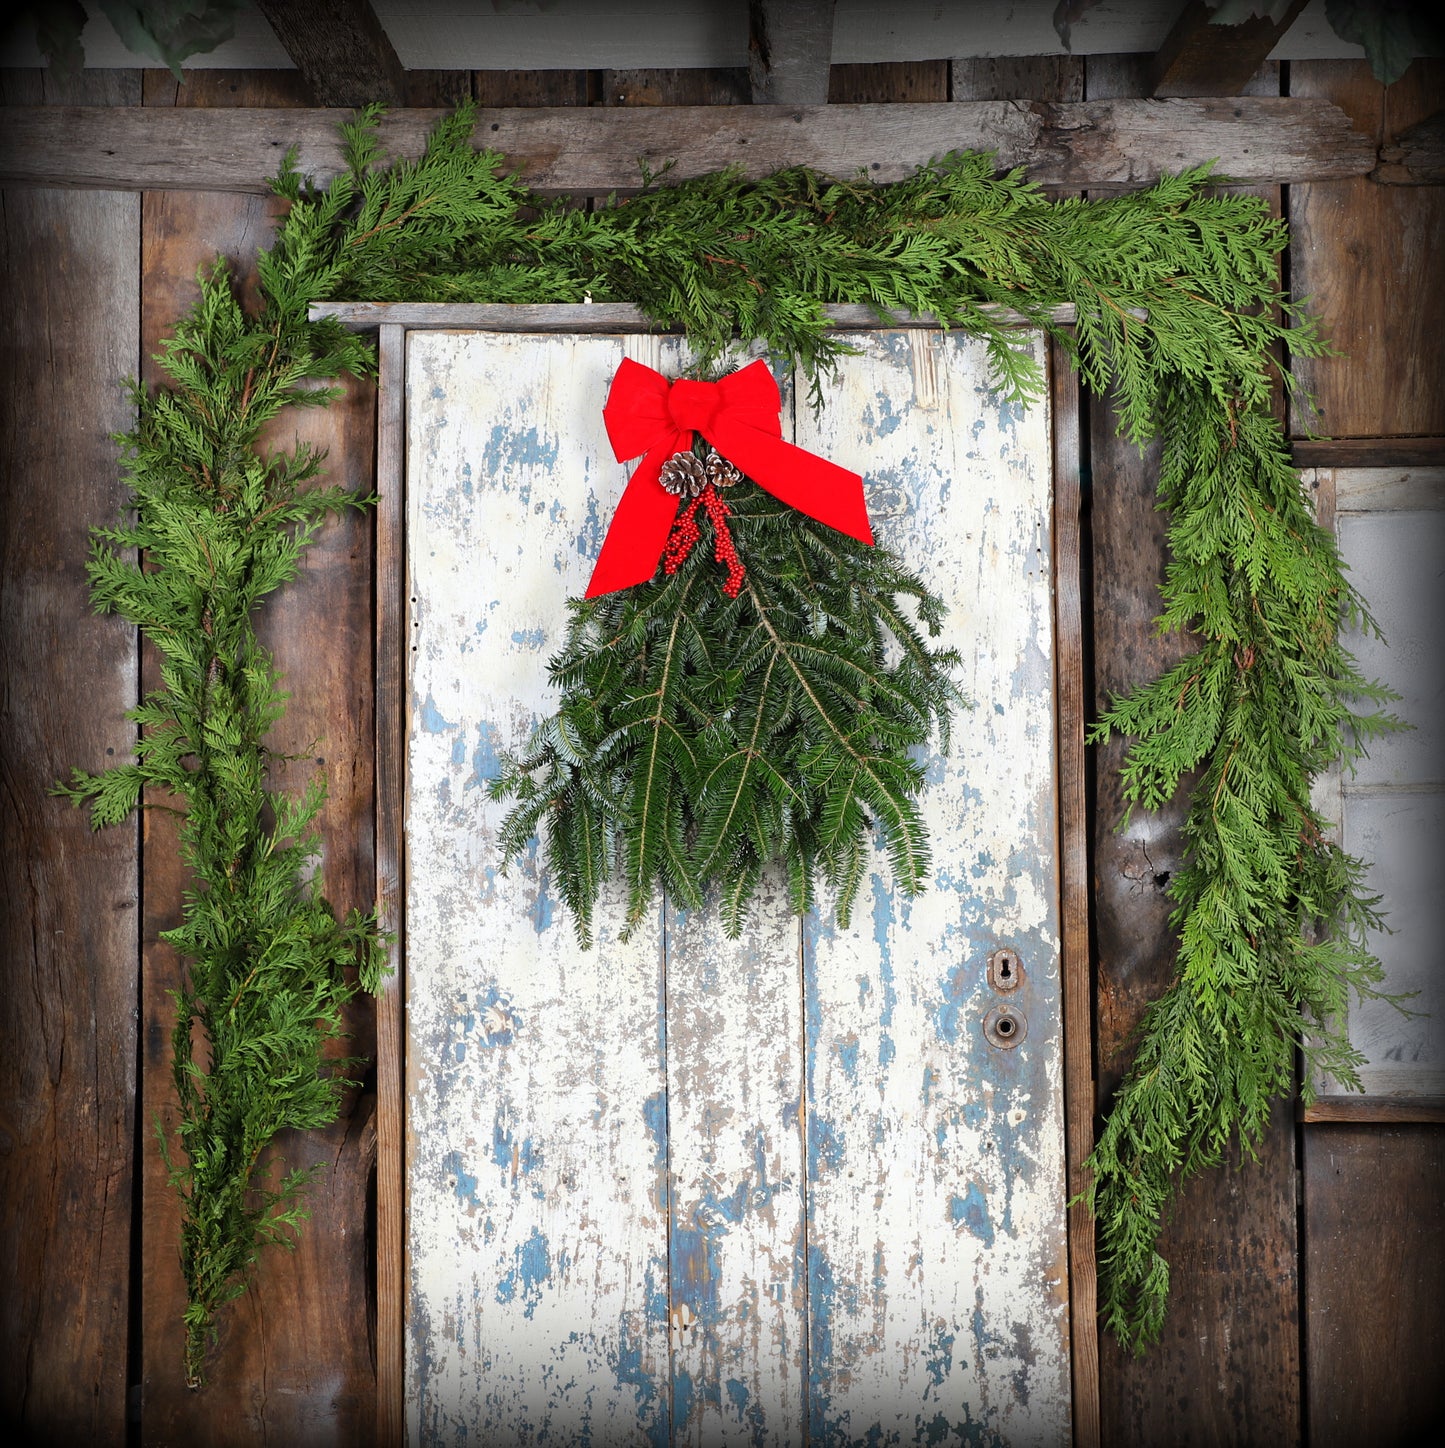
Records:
x=690, y=1190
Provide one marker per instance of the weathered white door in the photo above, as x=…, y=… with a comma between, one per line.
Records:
x=687, y=1190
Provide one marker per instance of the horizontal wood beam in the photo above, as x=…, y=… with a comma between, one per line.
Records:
x=596, y=317
x=1255, y=139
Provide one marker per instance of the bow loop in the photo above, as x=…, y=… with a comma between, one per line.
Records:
x=739, y=417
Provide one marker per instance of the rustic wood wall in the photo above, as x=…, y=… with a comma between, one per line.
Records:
x=1307, y=1287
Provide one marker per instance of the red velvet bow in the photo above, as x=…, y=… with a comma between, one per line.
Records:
x=739, y=417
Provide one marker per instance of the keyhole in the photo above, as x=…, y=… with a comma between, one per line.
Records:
x=1004, y=970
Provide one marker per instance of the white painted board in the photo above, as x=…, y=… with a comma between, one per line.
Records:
x=689, y=1190
x=1393, y=804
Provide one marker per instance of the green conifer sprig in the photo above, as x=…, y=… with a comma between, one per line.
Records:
x=214, y=529
x=1178, y=314
x=701, y=738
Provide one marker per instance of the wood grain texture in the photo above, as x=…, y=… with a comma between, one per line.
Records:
x=888, y=82
x=1374, y=1197
x=562, y=1235
x=592, y=317
x=1369, y=452
x=790, y=48
x=1088, y=143
x=1227, y=1368
x=537, y=1168
x=340, y=49
x=1074, y=914
x=267, y=1378
x=1201, y=58
x=68, y=896
x=391, y=632
x=1362, y=1110
x=1367, y=256
x=669, y=87
x=1414, y=156
x=937, y=1254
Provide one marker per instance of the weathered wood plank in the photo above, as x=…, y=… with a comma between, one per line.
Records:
x=1200, y=58
x=594, y=317
x=68, y=896
x=1369, y=452
x=1378, y=490
x=340, y=48
x=537, y=1128
x=1374, y=1198
x=1362, y=1110
x=737, y=1235
x=268, y=1377
x=669, y=87
x=790, y=49
x=1367, y=257
x=1415, y=156
x=391, y=713
x=888, y=82
x=1231, y=1241
x=1075, y=963
x=937, y=1258
x=1088, y=143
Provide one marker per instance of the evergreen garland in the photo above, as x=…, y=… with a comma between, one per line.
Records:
x=1178, y=309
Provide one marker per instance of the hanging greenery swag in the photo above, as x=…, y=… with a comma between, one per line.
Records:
x=1178, y=315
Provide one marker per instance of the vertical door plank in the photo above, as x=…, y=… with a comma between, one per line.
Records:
x=937, y=1260
x=1374, y=1265
x=68, y=931
x=737, y=1239
x=1367, y=257
x=734, y=1113
x=1231, y=1241
x=537, y=1152
x=268, y=1376
x=391, y=614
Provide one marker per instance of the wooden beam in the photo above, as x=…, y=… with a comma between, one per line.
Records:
x=790, y=50
x=1089, y=143
x=602, y=316
x=1199, y=58
x=340, y=48
x=1416, y=157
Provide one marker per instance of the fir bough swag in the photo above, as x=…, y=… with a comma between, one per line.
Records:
x=701, y=736
x=1178, y=308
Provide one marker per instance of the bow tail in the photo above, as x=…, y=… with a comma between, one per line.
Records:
x=813, y=485
x=638, y=531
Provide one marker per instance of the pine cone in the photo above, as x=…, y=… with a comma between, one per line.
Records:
x=720, y=472
x=683, y=475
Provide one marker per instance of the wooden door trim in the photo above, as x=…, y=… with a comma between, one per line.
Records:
x=393, y=628
x=391, y=634
x=1074, y=958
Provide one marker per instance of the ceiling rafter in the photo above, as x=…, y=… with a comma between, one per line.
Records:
x=341, y=49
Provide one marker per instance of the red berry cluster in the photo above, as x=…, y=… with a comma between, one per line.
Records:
x=724, y=549
x=685, y=534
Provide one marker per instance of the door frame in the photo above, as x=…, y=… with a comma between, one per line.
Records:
x=393, y=626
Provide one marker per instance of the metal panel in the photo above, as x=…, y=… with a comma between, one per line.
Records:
x=690, y=1190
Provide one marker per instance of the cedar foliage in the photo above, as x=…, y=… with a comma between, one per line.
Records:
x=1178, y=309
x=215, y=527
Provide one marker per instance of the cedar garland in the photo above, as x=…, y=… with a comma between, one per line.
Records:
x=1178, y=310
